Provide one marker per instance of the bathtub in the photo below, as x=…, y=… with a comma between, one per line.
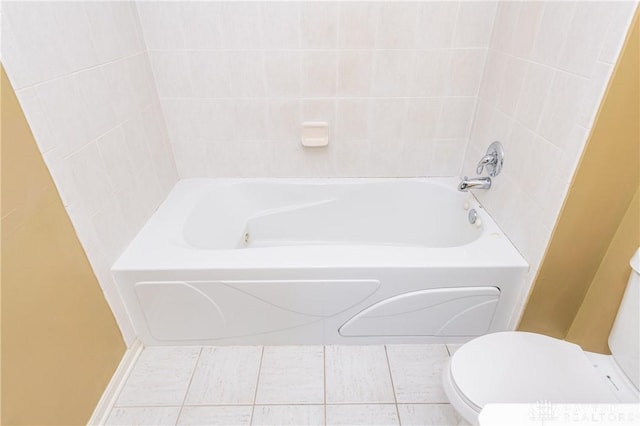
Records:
x=318, y=261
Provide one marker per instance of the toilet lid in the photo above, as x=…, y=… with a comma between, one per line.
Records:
x=520, y=367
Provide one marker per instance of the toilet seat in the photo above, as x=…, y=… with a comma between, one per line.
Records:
x=520, y=367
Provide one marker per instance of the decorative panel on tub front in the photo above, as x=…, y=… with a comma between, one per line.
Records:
x=201, y=310
x=462, y=311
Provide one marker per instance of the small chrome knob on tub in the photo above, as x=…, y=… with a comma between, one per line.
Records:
x=474, y=183
x=474, y=219
x=473, y=216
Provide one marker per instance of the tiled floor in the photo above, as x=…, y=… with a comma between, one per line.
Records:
x=287, y=385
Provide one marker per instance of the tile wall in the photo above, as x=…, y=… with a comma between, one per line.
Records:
x=84, y=80
x=397, y=81
x=547, y=69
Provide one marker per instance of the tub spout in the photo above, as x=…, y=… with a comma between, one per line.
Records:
x=474, y=183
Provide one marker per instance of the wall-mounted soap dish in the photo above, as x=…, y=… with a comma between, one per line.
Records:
x=315, y=134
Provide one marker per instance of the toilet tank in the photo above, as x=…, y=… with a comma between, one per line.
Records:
x=624, y=339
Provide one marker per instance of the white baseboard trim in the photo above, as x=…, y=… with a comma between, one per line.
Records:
x=110, y=394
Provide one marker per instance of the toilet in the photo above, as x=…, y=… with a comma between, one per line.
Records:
x=521, y=367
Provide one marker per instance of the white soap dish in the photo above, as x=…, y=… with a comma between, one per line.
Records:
x=315, y=134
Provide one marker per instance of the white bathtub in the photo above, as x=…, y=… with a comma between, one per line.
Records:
x=318, y=261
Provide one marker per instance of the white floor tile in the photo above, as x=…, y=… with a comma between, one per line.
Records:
x=357, y=374
x=453, y=347
x=362, y=414
x=288, y=415
x=225, y=375
x=428, y=414
x=218, y=415
x=291, y=375
x=291, y=386
x=417, y=372
x=143, y=416
x=160, y=377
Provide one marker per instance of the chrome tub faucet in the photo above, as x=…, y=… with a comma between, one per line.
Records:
x=474, y=183
x=493, y=161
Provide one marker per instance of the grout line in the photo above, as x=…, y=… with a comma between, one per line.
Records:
x=278, y=404
x=80, y=70
x=525, y=73
x=565, y=36
x=307, y=98
x=478, y=99
x=530, y=61
x=222, y=404
x=193, y=373
x=244, y=404
x=535, y=128
x=149, y=406
x=255, y=394
x=316, y=49
x=338, y=57
x=393, y=388
x=456, y=23
x=324, y=377
x=111, y=129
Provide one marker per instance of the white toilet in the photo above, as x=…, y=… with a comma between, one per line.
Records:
x=520, y=367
